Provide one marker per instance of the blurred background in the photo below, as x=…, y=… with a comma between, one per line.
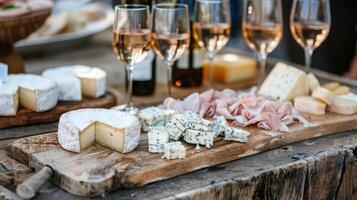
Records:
x=79, y=32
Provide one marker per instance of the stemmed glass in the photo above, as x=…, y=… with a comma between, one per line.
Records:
x=131, y=42
x=310, y=24
x=211, y=28
x=262, y=28
x=170, y=34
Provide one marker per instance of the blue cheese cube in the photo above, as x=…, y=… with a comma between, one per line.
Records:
x=237, y=135
x=174, y=132
x=179, y=121
x=174, y=150
x=220, y=126
x=154, y=116
x=192, y=117
x=199, y=127
x=199, y=137
x=157, y=137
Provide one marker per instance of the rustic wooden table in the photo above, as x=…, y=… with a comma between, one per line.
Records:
x=322, y=168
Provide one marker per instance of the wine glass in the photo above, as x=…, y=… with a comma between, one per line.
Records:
x=170, y=34
x=310, y=24
x=262, y=28
x=131, y=42
x=211, y=28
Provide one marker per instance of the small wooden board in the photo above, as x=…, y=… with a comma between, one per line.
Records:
x=27, y=117
x=99, y=169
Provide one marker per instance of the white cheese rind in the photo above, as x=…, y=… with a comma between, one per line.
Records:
x=309, y=105
x=43, y=91
x=73, y=123
x=285, y=82
x=69, y=85
x=174, y=150
x=9, y=98
x=93, y=80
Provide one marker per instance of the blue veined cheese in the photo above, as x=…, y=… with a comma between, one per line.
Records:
x=174, y=150
x=174, y=132
x=207, y=123
x=220, y=126
x=236, y=134
x=180, y=121
x=157, y=137
x=199, y=137
x=285, y=82
x=199, y=127
x=154, y=116
x=192, y=117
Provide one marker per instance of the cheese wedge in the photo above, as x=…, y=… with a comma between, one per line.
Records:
x=80, y=128
x=344, y=106
x=285, y=82
x=313, y=82
x=75, y=80
x=331, y=85
x=341, y=90
x=308, y=104
x=30, y=91
x=323, y=95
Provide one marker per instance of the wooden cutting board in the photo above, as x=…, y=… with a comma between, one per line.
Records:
x=27, y=117
x=99, y=169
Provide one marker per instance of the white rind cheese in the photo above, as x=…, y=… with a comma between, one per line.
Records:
x=73, y=81
x=9, y=98
x=285, y=82
x=174, y=150
x=80, y=128
x=157, y=137
x=311, y=105
x=323, y=95
x=343, y=106
x=30, y=91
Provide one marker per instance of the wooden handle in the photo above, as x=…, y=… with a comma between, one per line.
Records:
x=29, y=187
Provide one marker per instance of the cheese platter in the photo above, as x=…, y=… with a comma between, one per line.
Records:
x=111, y=149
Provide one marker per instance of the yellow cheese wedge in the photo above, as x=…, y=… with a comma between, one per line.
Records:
x=308, y=104
x=344, y=106
x=230, y=68
x=342, y=90
x=313, y=82
x=323, y=94
x=331, y=86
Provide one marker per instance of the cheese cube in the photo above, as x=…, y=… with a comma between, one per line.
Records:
x=285, y=83
x=174, y=132
x=237, y=135
x=220, y=126
x=174, y=150
x=157, y=137
x=199, y=137
x=93, y=80
x=154, y=116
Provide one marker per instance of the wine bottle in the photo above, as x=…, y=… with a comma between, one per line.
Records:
x=144, y=73
x=188, y=70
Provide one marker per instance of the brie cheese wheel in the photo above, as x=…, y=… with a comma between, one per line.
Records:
x=285, y=82
x=323, y=95
x=30, y=91
x=343, y=106
x=73, y=81
x=117, y=130
x=311, y=105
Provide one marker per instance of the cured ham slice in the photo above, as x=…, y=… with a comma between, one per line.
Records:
x=245, y=109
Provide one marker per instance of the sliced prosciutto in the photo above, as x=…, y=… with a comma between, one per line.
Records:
x=244, y=109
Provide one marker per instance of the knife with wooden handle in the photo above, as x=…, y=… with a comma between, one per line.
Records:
x=30, y=186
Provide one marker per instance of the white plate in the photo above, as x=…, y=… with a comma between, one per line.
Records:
x=67, y=39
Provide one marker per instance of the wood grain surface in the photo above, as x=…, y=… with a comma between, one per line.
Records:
x=98, y=169
x=28, y=117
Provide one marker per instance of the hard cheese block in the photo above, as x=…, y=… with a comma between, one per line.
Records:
x=73, y=81
x=230, y=68
x=30, y=91
x=80, y=128
x=285, y=82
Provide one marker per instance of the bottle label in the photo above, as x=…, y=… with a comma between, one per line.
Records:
x=198, y=58
x=142, y=71
x=183, y=62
